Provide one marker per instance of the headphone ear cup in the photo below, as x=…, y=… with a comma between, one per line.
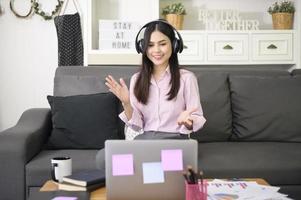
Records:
x=180, y=46
x=175, y=46
x=141, y=46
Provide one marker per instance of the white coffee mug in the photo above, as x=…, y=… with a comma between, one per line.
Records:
x=60, y=167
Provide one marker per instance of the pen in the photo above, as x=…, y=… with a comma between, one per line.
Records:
x=193, y=175
x=201, y=176
x=186, y=177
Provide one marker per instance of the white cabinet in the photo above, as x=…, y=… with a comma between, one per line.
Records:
x=238, y=47
x=274, y=48
x=201, y=47
x=232, y=47
x=194, y=43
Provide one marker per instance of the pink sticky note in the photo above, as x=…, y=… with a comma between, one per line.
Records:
x=64, y=198
x=172, y=160
x=122, y=164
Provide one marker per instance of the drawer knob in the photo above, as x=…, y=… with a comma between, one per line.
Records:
x=228, y=47
x=272, y=46
x=185, y=47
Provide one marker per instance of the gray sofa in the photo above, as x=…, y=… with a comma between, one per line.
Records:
x=253, y=127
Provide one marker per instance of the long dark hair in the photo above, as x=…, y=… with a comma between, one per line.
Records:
x=141, y=89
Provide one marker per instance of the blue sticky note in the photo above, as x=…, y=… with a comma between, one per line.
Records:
x=152, y=172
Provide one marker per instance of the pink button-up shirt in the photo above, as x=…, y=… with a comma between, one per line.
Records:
x=159, y=114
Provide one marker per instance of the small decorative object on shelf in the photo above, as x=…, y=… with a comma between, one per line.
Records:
x=37, y=9
x=174, y=14
x=226, y=20
x=282, y=14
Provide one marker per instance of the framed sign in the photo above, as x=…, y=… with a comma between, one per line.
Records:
x=117, y=35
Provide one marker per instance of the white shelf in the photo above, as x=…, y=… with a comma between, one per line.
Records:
x=203, y=47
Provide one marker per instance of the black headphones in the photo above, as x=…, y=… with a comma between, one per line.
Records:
x=177, y=44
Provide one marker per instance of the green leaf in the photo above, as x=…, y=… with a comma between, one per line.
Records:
x=284, y=6
x=175, y=8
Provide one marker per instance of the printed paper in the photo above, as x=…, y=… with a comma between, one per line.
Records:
x=244, y=190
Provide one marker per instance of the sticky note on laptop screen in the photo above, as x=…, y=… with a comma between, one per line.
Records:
x=64, y=198
x=122, y=164
x=152, y=172
x=172, y=159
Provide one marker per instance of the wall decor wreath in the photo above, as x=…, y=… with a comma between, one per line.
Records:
x=12, y=8
x=36, y=8
x=39, y=11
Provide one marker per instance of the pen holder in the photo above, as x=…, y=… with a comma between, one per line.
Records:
x=196, y=191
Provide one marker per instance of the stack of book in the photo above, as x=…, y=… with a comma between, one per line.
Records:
x=87, y=180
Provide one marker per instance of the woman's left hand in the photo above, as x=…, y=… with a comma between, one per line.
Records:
x=186, y=119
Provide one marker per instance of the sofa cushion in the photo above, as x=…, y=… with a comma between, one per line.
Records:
x=215, y=100
x=83, y=121
x=76, y=80
x=266, y=108
x=276, y=162
x=69, y=85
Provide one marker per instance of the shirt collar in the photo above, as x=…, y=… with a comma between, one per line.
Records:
x=166, y=73
x=168, y=70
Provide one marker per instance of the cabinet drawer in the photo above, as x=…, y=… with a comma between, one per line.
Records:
x=271, y=47
x=227, y=47
x=193, y=52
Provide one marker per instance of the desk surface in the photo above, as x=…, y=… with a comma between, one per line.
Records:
x=100, y=194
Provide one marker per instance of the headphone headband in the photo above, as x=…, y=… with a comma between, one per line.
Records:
x=177, y=46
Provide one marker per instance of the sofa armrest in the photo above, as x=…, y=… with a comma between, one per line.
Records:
x=18, y=145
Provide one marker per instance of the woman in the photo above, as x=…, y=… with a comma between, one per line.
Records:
x=163, y=100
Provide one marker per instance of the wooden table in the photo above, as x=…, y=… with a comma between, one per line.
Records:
x=100, y=194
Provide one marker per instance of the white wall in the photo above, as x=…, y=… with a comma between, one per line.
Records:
x=28, y=59
x=28, y=52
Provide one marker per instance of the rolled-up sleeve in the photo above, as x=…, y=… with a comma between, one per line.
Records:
x=192, y=99
x=136, y=122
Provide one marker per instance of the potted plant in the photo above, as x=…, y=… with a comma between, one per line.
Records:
x=174, y=14
x=282, y=14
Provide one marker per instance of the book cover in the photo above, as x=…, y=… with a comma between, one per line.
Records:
x=86, y=177
x=70, y=187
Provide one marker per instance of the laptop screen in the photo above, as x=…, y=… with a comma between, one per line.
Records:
x=148, y=169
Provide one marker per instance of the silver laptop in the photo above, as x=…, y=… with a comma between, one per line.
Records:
x=148, y=169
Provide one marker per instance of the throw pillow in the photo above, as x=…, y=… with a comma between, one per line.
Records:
x=266, y=108
x=67, y=85
x=83, y=121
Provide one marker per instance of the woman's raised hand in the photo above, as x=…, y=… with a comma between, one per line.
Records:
x=120, y=90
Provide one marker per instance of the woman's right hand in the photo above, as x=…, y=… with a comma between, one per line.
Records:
x=120, y=90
